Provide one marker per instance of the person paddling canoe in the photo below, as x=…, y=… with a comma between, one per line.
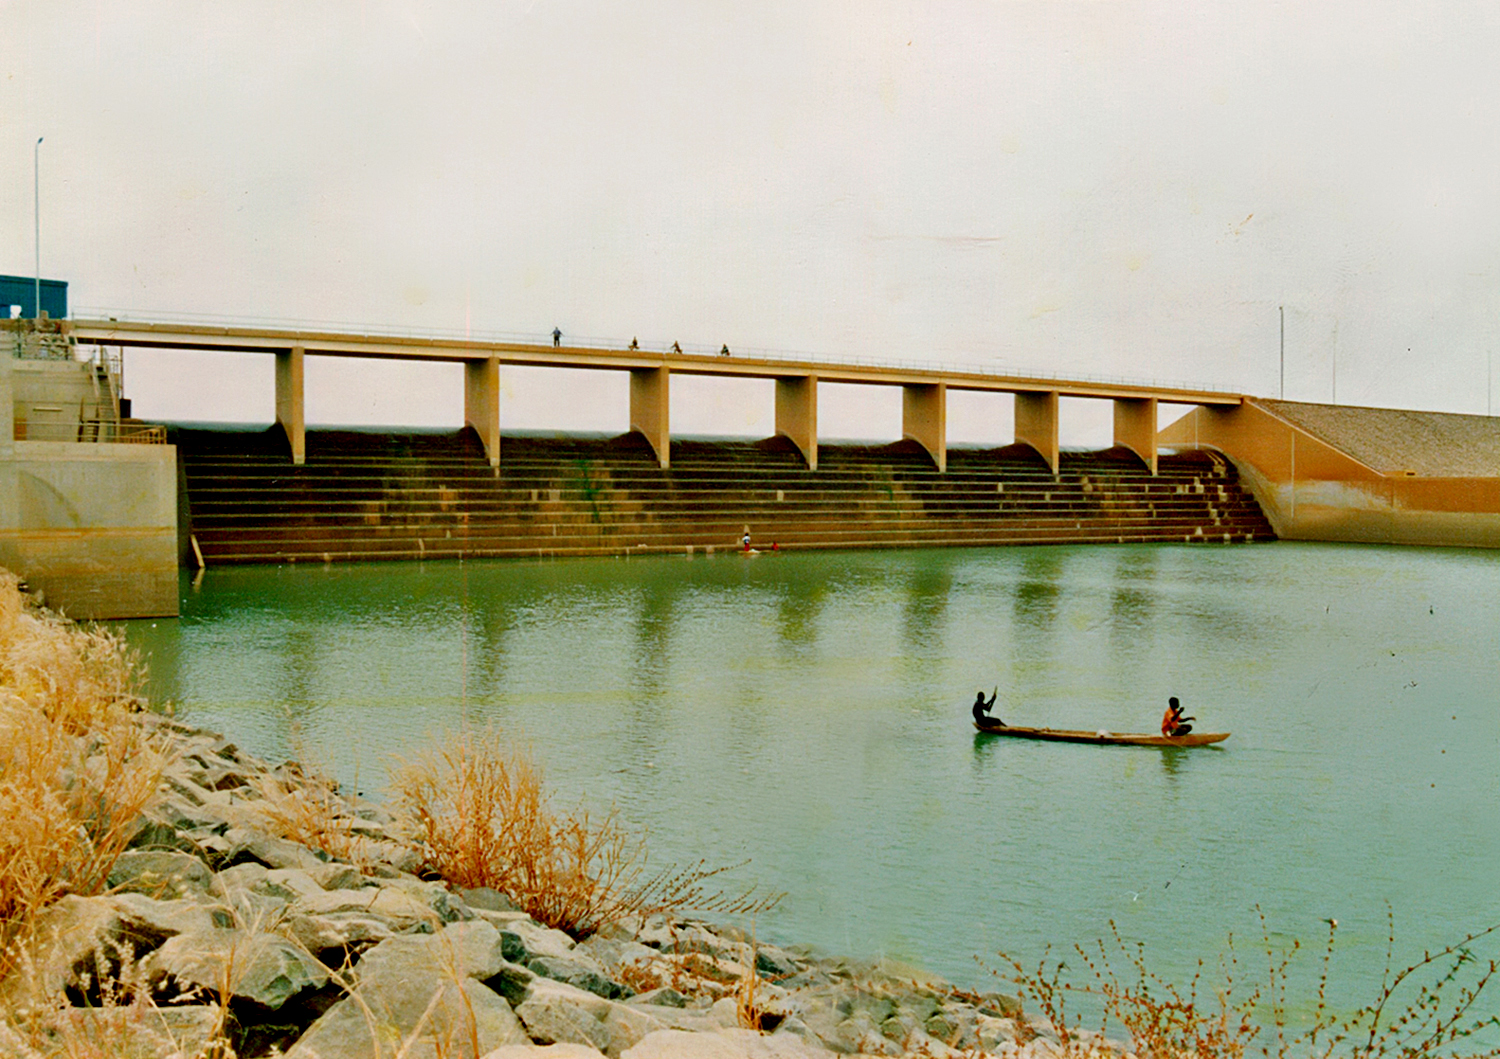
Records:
x=1172, y=722
x=982, y=708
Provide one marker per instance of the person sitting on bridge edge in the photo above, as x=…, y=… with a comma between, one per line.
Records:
x=1172, y=721
x=725, y=351
x=557, y=336
x=982, y=708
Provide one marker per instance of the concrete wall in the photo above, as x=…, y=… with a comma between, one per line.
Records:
x=1312, y=491
x=93, y=526
x=51, y=398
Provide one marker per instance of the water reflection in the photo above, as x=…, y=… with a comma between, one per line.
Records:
x=655, y=617
x=799, y=604
x=486, y=625
x=985, y=750
x=296, y=680
x=1039, y=592
x=925, y=606
x=1131, y=596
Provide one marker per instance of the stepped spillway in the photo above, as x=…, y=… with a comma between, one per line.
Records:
x=427, y=496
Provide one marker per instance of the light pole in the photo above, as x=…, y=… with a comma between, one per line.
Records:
x=36, y=202
x=1282, y=309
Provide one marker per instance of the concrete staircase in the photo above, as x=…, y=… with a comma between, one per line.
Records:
x=414, y=496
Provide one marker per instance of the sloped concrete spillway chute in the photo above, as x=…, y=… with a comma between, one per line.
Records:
x=1368, y=475
x=412, y=496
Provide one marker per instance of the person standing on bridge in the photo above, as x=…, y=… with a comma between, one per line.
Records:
x=725, y=351
x=635, y=344
x=676, y=348
x=557, y=336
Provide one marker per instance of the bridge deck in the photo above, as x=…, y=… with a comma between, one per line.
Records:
x=415, y=347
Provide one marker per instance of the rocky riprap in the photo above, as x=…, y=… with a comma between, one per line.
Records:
x=325, y=959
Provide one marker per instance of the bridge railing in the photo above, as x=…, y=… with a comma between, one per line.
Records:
x=751, y=354
x=92, y=430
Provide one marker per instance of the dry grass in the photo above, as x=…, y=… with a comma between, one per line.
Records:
x=1427, y=1008
x=309, y=809
x=135, y=1030
x=75, y=770
x=751, y=1008
x=304, y=804
x=483, y=816
x=125, y=1023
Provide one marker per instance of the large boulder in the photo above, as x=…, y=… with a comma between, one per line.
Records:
x=460, y=950
x=273, y=852
x=424, y=1018
x=616, y=955
x=151, y=921
x=160, y=873
x=554, y=1017
x=265, y=968
x=418, y=993
x=726, y=1044
x=773, y=962
x=581, y=972
x=398, y=908
x=558, y=1013
x=348, y=931
x=525, y=940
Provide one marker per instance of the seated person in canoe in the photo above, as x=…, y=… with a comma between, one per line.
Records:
x=982, y=708
x=1173, y=722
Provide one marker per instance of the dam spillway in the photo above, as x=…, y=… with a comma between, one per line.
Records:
x=366, y=496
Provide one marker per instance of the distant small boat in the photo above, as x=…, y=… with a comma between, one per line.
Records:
x=1067, y=735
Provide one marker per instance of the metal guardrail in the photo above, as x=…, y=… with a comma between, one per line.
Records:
x=92, y=430
x=741, y=353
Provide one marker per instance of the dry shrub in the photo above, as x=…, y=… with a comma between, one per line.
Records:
x=1411, y=1016
x=75, y=769
x=484, y=818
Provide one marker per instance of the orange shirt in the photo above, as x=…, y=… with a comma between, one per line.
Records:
x=1168, y=721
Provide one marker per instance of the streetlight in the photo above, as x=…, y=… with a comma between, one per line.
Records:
x=1282, y=310
x=36, y=200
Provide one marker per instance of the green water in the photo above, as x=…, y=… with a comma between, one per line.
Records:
x=810, y=713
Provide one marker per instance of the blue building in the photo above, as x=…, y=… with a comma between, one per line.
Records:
x=18, y=297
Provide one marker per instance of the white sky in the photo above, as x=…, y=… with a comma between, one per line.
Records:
x=1124, y=189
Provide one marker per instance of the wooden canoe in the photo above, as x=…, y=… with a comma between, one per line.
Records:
x=1067, y=735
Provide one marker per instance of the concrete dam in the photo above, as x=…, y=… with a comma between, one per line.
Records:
x=361, y=496
x=97, y=510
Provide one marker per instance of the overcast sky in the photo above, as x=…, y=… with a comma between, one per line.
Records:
x=1122, y=189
